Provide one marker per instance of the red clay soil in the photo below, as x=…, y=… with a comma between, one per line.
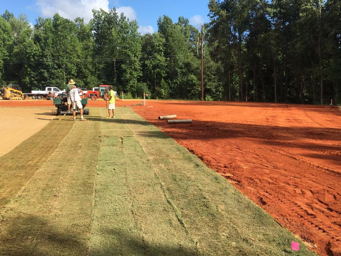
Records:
x=286, y=158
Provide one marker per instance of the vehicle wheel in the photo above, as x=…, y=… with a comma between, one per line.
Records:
x=39, y=97
x=94, y=98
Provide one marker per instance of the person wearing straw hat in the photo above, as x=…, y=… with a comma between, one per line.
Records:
x=68, y=90
x=76, y=102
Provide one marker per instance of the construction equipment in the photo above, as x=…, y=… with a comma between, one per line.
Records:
x=12, y=92
x=99, y=92
x=62, y=109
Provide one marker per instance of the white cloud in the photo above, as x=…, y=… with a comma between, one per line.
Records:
x=71, y=9
x=196, y=21
x=146, y=30
x=128, y=12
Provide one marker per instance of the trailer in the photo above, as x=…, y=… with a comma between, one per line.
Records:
x=48, y=93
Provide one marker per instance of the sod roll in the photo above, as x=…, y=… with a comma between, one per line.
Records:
x=180, y=121
x=167, y=117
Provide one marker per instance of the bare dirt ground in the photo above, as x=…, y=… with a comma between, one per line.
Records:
x=286, y=158
x=18, y=124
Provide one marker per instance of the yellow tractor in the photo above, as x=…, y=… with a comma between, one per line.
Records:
x=12, y=92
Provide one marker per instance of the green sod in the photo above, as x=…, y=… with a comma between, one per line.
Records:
x=122, y=187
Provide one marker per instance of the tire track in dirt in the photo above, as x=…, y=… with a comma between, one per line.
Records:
x=307, y=211
x=316, y=217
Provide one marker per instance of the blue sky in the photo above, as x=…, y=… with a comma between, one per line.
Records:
x=146, y=12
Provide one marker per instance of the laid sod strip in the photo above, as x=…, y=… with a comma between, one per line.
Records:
x=18, y=166
x=214, y=214
x=52, y=214
x=131, y=215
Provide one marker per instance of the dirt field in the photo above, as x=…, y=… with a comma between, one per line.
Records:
x=286, y=158
x=19, y=124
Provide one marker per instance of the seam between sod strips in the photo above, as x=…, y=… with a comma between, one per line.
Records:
x=177, y=212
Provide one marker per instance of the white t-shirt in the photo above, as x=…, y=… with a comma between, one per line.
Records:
x=74, y=95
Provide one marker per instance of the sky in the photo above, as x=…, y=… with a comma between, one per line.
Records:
x=146, y=12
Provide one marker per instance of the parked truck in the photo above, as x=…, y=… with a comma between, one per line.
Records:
x=48, y=93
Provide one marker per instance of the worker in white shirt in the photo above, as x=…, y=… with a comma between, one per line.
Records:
x=76, y=102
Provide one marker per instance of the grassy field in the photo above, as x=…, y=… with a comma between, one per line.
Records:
x=122, y=187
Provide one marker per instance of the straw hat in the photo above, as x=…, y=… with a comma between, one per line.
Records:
x=71, y=81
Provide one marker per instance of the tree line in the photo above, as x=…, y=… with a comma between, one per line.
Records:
x=254, y=50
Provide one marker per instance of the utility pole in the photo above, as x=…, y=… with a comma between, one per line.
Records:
x=64, y=73
x=202, y=61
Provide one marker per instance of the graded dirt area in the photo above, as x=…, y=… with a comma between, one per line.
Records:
x=18, y=124
x=286, y=158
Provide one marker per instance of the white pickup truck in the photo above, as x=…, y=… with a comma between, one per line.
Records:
x=49, y=91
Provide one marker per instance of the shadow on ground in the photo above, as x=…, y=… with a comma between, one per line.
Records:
x=32, y=235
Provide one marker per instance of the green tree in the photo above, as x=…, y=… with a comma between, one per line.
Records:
x=6, y=39
x=106, y=51
x=60, y=51
x=86, y=72
x=332, y=31
x=183, y=71
x=154, y=65
x=7, y=15
x=129, y=50
x=24, y=54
